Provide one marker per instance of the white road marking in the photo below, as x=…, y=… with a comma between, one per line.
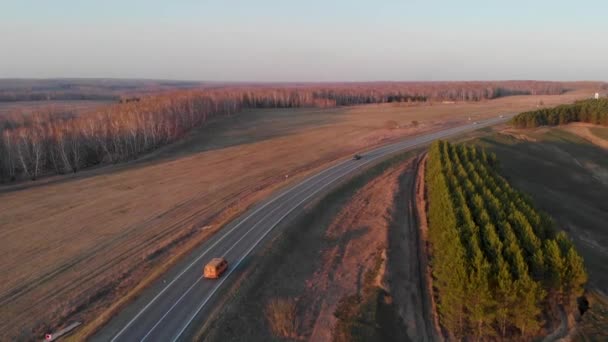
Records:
x=171, y=308
x=233, y=245
x=207, y=250
x=245, y=255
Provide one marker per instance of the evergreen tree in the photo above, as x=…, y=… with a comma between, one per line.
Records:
x=554, y=270
x=526, y=310
x=575, y=277
x=506, y=297
x=480, y=303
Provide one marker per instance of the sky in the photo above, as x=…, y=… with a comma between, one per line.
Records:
x=312, y=40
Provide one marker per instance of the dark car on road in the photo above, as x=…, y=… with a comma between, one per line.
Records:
x=357, y=157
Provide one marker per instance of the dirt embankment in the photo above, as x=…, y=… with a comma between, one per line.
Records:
x=363, y=227
x=407, y=274
x=426, y=282
x=322, y=259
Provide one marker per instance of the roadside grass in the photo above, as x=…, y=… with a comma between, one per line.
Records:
x=271, y=268
x=371, y=315
x=282, y=317
x=357, y=313
x=600, y=132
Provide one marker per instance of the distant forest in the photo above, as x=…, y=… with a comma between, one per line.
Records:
x=498, y=265
x=54, y=143
x=15, y=90
x=593, y=111
x=12, y=90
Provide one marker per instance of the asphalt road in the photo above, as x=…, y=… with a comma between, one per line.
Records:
x=167, y=310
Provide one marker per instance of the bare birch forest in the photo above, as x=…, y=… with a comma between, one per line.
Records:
x=38, y=144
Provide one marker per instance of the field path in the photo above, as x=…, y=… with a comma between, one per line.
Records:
x=407, y=262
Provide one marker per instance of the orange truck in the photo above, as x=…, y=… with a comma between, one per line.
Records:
x=215, y=268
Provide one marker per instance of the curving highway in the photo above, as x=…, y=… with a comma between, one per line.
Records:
x=175, y=306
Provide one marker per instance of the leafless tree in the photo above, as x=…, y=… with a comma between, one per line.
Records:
x=49, y=142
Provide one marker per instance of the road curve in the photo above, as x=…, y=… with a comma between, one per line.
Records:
x=166, y=310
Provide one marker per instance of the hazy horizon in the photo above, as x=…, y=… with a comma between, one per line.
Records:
x=295, y=82
x=274, y=41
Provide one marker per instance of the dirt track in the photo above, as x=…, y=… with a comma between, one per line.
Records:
x=407, y=261
x=362, y=228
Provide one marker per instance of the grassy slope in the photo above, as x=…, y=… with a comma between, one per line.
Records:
x=600, y=132
x=72, y=241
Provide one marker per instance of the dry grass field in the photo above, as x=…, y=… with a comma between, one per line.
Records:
x=28, y=107
x=600, y=132
x=71, y=245
x=592, y=133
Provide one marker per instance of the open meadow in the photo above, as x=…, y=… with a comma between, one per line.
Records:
x=72, y=244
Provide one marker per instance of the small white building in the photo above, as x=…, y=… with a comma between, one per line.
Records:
x=597, y=96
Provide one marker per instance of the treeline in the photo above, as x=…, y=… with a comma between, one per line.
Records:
x=349, y=93
x=43, y=144
x=14, y=90
x=39, y=144
x=591, y=111
x=54, y=96
x=497, y=263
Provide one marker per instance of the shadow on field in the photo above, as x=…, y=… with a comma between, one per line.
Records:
x=249, y=126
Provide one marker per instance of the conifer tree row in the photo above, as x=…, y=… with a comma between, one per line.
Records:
x=594, y=111
x=496, y=261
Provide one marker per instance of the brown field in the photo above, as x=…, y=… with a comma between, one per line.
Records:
x=28, y=107
x=588, y=132
x=71, y=245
